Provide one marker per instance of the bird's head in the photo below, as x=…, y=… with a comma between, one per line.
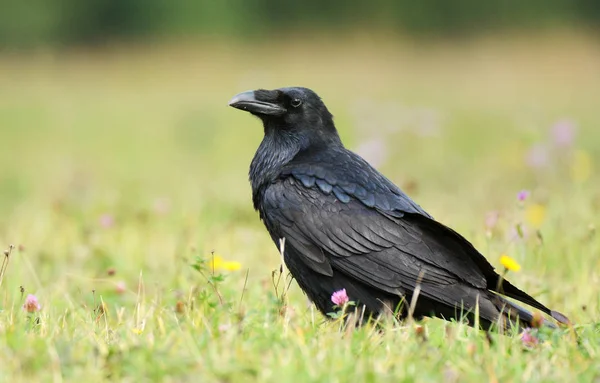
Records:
x=292, y=110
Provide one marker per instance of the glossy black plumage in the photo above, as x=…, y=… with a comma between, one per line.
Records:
x=348, y=226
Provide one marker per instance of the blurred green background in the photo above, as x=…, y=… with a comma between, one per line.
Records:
x=65, y=22
x=113, y=107
x=120, y=162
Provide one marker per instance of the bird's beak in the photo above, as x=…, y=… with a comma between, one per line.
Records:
x=248, y=102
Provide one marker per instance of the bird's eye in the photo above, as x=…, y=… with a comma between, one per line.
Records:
x=296, y=102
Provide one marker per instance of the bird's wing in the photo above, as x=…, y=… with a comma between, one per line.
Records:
x=389, y=250
x=347, y=176
x=340, y=213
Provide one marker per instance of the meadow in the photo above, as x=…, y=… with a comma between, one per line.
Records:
x=123, y=188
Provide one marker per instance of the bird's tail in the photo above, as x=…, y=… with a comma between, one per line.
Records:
x=522, y=317
x=511, y=291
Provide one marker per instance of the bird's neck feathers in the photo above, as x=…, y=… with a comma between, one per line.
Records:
x=280, y=146
x=275, y=150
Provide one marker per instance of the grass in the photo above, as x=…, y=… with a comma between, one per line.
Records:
x=121, y=169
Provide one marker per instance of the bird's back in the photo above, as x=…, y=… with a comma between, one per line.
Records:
x=342, y=172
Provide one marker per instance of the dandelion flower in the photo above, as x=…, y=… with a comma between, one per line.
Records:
x=509, y=263
x=31, y=304
x=232, y=265
x=218, y=263
x=340, y=297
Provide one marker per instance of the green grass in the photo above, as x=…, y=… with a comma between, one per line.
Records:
x=143, y=135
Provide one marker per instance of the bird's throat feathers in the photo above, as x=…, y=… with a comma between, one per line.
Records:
x=274, y=152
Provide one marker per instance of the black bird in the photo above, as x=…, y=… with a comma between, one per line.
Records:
x=346, y=226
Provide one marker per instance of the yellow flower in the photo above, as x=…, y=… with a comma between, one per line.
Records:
x=137, y=331
x=218, y=263
x=535, y=215
x=581, y=167
x=509, y=263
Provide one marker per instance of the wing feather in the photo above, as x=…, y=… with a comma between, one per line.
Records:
x=382, y=251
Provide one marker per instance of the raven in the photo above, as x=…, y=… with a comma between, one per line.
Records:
x=346, y=226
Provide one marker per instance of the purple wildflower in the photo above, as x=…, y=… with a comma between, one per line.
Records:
x=528, y=338
x=340, y=297
x=31, y=304
x=523, y=195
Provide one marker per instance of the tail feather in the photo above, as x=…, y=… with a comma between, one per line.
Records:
x=514, y=292
x=522, y=316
